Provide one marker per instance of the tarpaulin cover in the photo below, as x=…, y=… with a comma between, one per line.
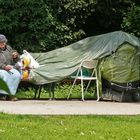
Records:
x=116, y=63
x=122, y=66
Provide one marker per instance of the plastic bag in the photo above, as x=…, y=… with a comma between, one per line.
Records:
x=28, y=60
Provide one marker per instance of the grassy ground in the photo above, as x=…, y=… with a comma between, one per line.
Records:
x=91, y=127
x=17, y=127
x=61, y=91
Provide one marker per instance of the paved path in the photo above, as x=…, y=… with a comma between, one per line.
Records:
x=63, y=107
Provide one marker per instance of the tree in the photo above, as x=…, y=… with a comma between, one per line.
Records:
x=131, y=20
x=107, y=16
x=28, y=24
x=44, y=25
x=40, y=26
x=71, y=16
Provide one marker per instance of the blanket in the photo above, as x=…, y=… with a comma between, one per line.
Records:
x=12, y=79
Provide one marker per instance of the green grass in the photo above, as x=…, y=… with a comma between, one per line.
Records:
x=61, y=91
x=92, y=127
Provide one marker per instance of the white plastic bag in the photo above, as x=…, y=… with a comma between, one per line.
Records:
x=32, y=63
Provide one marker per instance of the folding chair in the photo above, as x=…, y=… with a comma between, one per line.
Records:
x=89, y=65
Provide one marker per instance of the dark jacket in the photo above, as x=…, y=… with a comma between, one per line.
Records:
x=6, y=57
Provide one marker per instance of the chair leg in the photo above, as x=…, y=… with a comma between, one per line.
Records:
x=40, y=88
x=71, y=89
x=36, y=89
x=73, y=84
x=82, y=88
x=51, y=88
x=87, y=86
x=97, y=86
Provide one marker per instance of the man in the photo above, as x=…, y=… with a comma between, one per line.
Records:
x=8, y=73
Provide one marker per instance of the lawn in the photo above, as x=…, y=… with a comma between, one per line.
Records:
x=69, y=127
x=91, y=127
x=61, y=91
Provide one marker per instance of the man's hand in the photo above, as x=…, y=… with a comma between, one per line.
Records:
x=8, y=67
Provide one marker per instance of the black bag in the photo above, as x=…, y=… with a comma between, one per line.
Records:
x=121, y=91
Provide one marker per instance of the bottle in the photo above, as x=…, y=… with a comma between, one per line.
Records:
x=25, y=74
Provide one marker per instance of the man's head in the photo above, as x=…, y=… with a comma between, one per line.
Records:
x=3, y=41
x=3, y=38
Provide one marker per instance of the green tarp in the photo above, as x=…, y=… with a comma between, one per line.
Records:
x=118, y=54
x=122, y=66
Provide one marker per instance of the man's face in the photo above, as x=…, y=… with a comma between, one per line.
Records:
x=2, y=45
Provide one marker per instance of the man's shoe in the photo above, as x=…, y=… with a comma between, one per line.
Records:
x=11, y=98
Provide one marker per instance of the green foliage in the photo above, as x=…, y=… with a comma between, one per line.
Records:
x=28, y=24
x=73, y=14
x=60, y=92
x=25, y=93
x=27, y=127
x=40, y=26
x=131, y=20
x=107, y=16
x=3, y=86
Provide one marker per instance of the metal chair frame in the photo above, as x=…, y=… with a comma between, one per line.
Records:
x=88, y=64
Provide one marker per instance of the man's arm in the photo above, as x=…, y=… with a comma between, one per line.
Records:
x=2, y=61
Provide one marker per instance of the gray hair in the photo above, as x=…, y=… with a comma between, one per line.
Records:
x=3, y=38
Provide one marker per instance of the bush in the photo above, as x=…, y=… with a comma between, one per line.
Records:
x=61, y=92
